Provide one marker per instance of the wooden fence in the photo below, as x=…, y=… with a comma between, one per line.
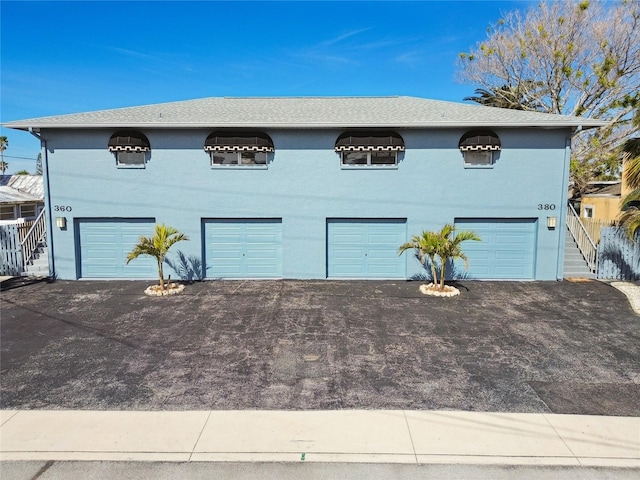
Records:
x=594, y=227
x=11, y=237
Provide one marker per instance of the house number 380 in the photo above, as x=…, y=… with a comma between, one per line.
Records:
x=62, y=208
x=546, y=206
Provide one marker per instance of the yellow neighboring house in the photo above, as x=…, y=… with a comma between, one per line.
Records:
x=602, y=202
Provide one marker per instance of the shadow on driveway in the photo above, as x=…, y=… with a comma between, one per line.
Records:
x=501, y=346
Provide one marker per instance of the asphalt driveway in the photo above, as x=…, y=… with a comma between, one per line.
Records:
x=556, y=347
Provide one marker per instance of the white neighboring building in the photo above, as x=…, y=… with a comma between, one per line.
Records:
x=21, y=198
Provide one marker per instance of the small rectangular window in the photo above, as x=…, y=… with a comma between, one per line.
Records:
x=224, y=158
x=27, y=211
x=588, y=211
x=369, y=158
x=383, y=158
x=130, y=159
x=6, y=212
x=253, y=158
x=478, y=158
x=354, y=158
x=243, y=158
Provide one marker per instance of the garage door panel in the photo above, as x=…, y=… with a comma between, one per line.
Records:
x=104, y=271
x=101, y=239
x=354, y=270
x=382, y=270
x=348, y=239
x=510, y=255
x=104, y=245
x=478, y=254
x=348, y=253
x=221, y=253
x=507, y=250
x=130, y=238
x=381, y=254
x=515, y=272
x=363, y=248
x=255, y=239
x=258, y=270
x=383, y=239
x=479, y=271
x=243, y=248
x=269, y=254
x=512, y=239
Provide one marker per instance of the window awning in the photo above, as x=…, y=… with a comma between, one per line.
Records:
x=479, y=140
x=129, y=142
x=239, y=141
x=369, y=140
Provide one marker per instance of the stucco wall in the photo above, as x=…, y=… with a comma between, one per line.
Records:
x=304, y=185
x=605, y=208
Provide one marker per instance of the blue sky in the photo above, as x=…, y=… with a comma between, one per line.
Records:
x=67, y=57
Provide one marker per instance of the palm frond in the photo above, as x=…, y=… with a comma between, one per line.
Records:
x=632, y=199
x=466, y=235
x=631, y=161
x=630, y=221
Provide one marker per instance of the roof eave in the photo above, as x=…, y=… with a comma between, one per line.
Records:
x=305, y=125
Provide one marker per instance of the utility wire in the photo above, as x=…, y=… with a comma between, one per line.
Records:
x=20, y=158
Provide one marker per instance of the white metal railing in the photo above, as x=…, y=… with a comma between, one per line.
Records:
x=585, y=243
x=31, y=241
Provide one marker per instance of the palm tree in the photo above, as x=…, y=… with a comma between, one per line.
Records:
x=519, y=97
x=425, y=245
x=444, y=244
x=630, y=210
x=450, y=248
x=4, y=143
x=157, y=246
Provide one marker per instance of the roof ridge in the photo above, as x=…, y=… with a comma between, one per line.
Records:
x=296, y=97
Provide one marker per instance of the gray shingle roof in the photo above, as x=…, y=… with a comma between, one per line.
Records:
x=306, y=112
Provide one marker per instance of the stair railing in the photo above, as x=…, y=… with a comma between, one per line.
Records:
x=32, y=239
x=585, y=243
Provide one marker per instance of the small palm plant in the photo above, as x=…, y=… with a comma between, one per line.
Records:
x=445, y=244
x=450, y=248
x=425, y=245
x=157, y=246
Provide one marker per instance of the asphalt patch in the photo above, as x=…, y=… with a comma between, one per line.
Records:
x=590, y=399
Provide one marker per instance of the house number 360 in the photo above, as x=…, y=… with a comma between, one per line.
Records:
x=62, y=208
x=546, y=206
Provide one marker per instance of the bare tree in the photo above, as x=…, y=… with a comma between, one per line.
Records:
x=568, y=58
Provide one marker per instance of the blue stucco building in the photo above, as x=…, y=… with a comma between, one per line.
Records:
x=305, y=188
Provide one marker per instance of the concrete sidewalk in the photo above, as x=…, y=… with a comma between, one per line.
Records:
x=372, y=436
